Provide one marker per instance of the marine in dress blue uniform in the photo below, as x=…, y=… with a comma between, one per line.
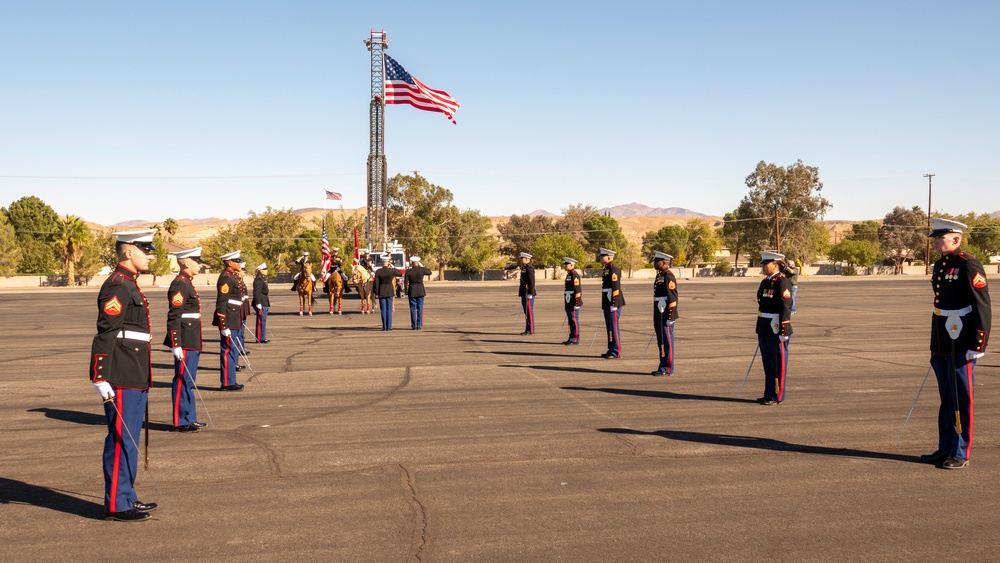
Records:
x=573, y=296
x=415, y=291
x=261, y=302
x=121, y=372
x=612, y=301
x=774, y=326
x=229, y=318
x=386, y=279
x=664, y=311
x=184, y=340
x=960, y=329
x=526, y=291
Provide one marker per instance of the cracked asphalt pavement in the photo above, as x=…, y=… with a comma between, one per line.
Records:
x=467, y=442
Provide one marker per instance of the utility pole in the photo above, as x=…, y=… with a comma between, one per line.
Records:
x=927, y=258
x=376, y=227
x=777, y=233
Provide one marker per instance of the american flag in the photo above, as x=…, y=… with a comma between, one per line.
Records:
x=333, y=195
x=325, y=251
x=401, y=88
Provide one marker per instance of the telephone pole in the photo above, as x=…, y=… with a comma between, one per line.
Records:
x=927, y=259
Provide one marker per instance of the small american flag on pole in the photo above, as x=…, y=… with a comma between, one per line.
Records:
x=336, y=196
x=324, y=249
x=401, y=88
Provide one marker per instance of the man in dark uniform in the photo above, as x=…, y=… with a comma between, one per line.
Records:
x=612, y=301
x=664, y=311
x=261, y=302
x=121, y=371
x=244, y=312
x=774, y=325
x=336, y=260
x=184, y=339
x=573, y=295
x=385, y=288
x=301, y=261
x=526, y=291
x=960, y=329
x=228, y=317
x=414, y=280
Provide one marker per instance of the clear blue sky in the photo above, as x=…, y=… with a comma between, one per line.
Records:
x=664, y=103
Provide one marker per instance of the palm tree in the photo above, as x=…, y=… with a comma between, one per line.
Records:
x=73, y=235
x=170, y=225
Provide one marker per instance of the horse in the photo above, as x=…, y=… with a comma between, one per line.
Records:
x=305, y=288
x=362, y=279
x=334, y=286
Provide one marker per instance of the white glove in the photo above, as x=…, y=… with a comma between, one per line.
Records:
x=576, y=308
x=105, y=391
x=783, y=338
x=227, y=333
x=260, y=307
x=530, y=296
x=613, y=309
x=973, y=355
x=178, y=353
x=670, y=323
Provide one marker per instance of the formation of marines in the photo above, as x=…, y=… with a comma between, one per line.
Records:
x=121, y=367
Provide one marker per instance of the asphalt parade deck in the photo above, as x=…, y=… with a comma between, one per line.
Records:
x=467, y=442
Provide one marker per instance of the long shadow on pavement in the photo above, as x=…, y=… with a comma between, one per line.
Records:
x=90, y=419
x=658, y=394
x=19, y=492
x=544, y=354
x=761, y=444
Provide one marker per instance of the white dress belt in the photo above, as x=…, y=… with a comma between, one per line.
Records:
x=769, y=315
x=236, y=302
x=191, y=316
x=949, y=312
x=133, y=335
x=661, y=299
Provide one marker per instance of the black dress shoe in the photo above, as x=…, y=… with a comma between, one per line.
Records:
x=955, y=463
x=658, y=372
x=199, y=424
x=144, y=506
x=935, y=458
x=610, y=357
x=265, y=341
x=525, y=333
x=132, y=515
x=237, y=387
x=188, y=428
x=769, y=402
x=239, y=368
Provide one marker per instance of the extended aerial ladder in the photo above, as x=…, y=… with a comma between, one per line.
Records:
x=376, y=228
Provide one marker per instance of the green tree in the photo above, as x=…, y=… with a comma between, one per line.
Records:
x=469, y=243
x=10, y=252
x=271, y=234
x=170, y=225
x=984, y=234
x=672, y=239
x=903, y=236
x=549, y=250
x=572, y=221
x=228, y=239
x=702, y=241
x=734, y=234
x=630, y=258
x=520, y=232
x=36, y=226
x=73, y=237
x=856, y=252
x=783, y=201
x=159, y=264
x=421, y=216
x=865, y=230
x=97, y=253
x=603, y=231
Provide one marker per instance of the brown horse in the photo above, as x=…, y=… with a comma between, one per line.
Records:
x=305, y=288
x=334, y=286
x=362, y=279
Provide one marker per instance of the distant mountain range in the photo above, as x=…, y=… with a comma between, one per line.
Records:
x=633, y=210
x=995, y=214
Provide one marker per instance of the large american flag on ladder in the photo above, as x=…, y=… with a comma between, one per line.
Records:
x=401, y=88
x=324, y=249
